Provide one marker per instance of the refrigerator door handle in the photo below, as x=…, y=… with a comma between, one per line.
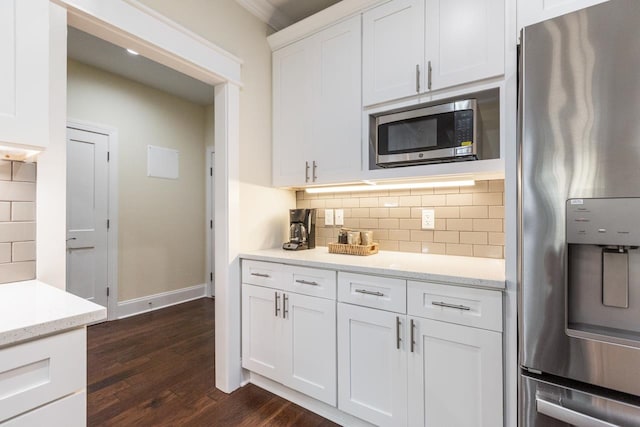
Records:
x=569, y=416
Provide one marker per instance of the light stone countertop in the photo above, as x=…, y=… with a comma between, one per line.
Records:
x=468, y=271
x=31, y=309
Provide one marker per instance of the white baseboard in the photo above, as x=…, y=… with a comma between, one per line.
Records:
x=329, y=412
x=154, y=302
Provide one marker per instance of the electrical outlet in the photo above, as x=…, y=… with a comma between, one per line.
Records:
x=339, y=217
x=328, y=217
x=428, y=219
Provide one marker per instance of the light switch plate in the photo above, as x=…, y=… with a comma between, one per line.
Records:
x=339, y=217
x=428, y=219
x=328, y=217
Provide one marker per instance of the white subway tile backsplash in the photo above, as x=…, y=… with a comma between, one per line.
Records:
x=5, y=170
x=24, y=172
x=17, y=231
x=5, y=253
x=23, y=251
x=23, y=211
x=17, y=226
x=469, y=221
x=5, y=211
x=17, y=271
x=17, y=191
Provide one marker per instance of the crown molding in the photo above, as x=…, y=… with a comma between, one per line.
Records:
x=267, y=13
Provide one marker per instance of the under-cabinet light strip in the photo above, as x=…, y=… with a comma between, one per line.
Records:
x=383, y=187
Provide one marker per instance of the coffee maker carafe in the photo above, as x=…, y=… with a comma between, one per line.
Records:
x=302, y=230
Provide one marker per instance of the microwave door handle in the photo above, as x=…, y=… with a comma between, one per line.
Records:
x=569, y=416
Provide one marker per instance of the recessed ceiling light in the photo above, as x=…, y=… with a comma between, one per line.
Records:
x=132, y=52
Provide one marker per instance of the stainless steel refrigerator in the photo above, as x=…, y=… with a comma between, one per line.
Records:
x=579, y=219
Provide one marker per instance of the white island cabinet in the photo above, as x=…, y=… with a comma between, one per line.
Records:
x=24, y=73
x=43, y=355
x=411, y=350
x=317, y=107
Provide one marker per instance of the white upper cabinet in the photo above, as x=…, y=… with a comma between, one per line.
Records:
x=533, y=11
x=465, y=41
x=393, y=51
x=417, y=46
x=292, y=104
x=24, y=72
x=317, y=107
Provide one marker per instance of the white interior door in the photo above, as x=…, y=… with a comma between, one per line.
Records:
x=87, y=213
x=212, y=233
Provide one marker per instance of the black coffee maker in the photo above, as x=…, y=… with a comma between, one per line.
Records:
x=302, y=230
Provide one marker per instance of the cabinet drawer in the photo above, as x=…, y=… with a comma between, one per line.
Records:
x=269, y=274
x=38, y=372
x=373, y=291
x=312, y=281
x=68, y=412
x=479, y=308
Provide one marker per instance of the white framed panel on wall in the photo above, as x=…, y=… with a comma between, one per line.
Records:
x=163, y=162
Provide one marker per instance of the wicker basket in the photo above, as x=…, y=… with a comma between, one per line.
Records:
x=341, y=248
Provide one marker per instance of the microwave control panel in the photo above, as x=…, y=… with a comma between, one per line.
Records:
x=463, y=121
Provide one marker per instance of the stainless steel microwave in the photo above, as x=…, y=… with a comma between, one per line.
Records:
x=434, y=134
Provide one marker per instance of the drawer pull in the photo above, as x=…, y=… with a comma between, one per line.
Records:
x=444, y=304
x=306, y=282
x=260, y=275
x=364, y=291
x=413, y=338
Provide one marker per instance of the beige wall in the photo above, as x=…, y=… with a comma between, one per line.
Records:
x=231, y=27
x=161, y=238
x=469, y=220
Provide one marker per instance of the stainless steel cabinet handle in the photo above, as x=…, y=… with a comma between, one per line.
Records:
x=569, y=416
x=413, y=340
x=306, y=171
x=306, y=282
x=444, y=304
x=417, y=78
x=429, y=73
x=285, y=305
x=260, y=275
x=71, y=238
x=364, y=291
x=398, y=339
x=277, y=300
x=315, y=166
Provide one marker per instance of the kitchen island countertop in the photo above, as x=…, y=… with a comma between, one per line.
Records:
x=469, y=271
x=32, y=309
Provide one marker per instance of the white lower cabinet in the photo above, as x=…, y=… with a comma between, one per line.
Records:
x=68, y=412
x=290, y=338
x=372, y=365
x=455, y=375
x=36, y=373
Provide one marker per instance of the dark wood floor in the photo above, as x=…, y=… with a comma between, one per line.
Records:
x=157, y=369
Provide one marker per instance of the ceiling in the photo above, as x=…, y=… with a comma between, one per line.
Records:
x=282, y=13
x=96, y=52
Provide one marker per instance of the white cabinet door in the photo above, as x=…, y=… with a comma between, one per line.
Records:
x=533, y=11
x=261, y=331
x=465, y=40
x=393, y=51
x=455, y=375
x=372, y=365
x=292, y=113
x=309, y=345
x=24, y=72
x=336, y=139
